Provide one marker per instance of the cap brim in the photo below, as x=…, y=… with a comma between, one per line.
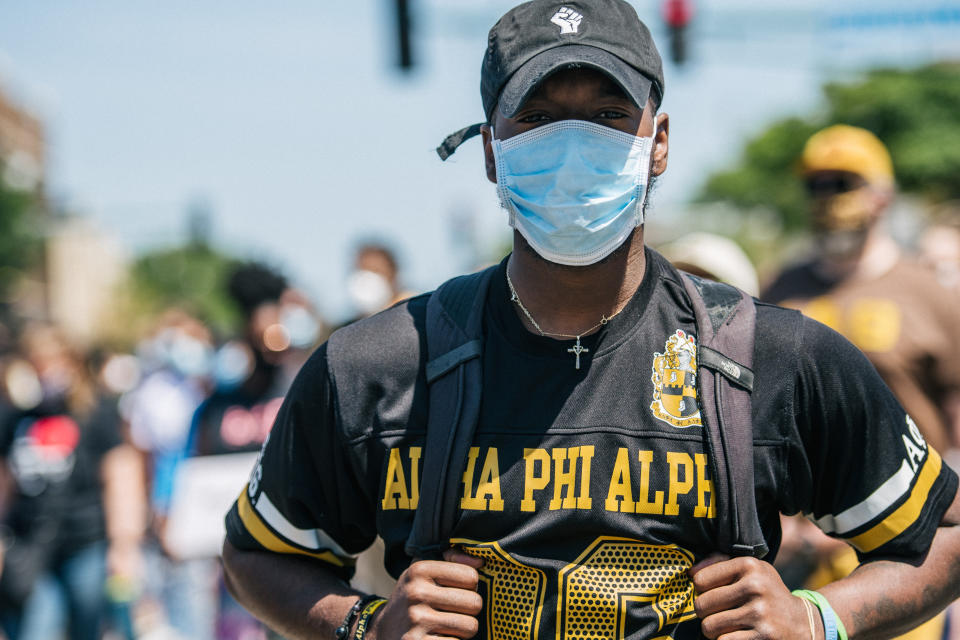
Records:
x=527, y=78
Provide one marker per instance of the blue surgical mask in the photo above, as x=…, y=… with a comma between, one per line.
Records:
x=573, y=189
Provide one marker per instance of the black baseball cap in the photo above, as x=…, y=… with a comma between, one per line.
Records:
x=535, y=39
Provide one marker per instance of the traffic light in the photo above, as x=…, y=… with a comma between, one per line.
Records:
x=404, y=49
x=678, y=14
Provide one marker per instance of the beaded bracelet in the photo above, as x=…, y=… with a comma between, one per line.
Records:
x=833, y=628
x=343, y=631
x=366, y=617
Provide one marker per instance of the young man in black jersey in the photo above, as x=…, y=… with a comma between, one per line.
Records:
x=587, y=509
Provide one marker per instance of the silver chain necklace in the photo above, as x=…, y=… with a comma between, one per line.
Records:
x=576, y=349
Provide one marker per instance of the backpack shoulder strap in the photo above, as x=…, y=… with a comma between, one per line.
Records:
x=726, y=326
x=454, y=377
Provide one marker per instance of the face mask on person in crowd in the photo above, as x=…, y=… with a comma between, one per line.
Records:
x=232, y=364
x=842, y=220
x=302, y=325
x=179, y=350
x=23, y=385
x=573, y=189
x=369, y=292
x=279, y=329
x=846, y=211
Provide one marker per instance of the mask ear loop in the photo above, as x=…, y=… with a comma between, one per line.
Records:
x=642, y=201
x=501, y=187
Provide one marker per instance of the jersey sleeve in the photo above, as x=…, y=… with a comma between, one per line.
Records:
x=303, y=496
x=874, y=481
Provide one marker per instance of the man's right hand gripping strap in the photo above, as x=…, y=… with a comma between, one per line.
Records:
x=726, y=324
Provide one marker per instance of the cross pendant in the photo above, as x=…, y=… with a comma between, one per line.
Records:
x=577, y=349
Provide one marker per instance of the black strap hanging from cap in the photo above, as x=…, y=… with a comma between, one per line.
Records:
x=457, y=138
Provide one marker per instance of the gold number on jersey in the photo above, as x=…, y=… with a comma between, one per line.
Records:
x=515, y=592
x=594, y=590
x=612, y=573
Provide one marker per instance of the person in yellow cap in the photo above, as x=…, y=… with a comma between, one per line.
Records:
x=859, y=283
x=849, y=175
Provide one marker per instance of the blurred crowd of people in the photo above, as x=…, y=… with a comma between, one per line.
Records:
x=116, y=468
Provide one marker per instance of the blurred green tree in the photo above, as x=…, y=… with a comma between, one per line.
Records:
x=192, y=278
x=915, y=112
x=21, y=247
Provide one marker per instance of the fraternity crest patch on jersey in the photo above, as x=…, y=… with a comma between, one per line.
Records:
x=675, y=382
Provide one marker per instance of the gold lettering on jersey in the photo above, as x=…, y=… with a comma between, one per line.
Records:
x=675, y=382
x=414, y=477
x=563, y=474
x=472, y=456
x=584, y=501
x=487, y=496
x=532, y=480
x=678, y=487
x=620, y=493
x=683, y=474
x=644, y=504
x=565, y=477
x=704, y=488
x=569, y=473
x=395, y=495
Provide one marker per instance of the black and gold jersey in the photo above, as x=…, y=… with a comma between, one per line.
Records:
x=587, y=491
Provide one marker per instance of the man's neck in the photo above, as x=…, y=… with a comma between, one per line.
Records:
x=570, y=300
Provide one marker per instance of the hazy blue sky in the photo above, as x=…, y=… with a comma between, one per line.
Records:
x=292, y=123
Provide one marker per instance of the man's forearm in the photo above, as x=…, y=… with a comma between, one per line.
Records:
x=883, y=599
x=294, y=595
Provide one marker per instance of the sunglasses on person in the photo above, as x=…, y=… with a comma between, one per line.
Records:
x=826, y=184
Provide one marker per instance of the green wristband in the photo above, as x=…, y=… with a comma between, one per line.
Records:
x=831, y=621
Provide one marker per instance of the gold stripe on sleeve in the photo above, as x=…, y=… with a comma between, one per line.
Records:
x=907, y=513
x=270, y=540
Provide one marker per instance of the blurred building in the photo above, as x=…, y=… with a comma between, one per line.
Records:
x=22, y=146
x=84, y=266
